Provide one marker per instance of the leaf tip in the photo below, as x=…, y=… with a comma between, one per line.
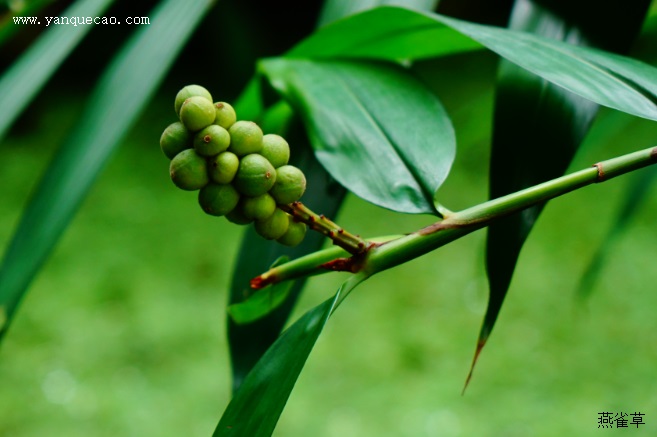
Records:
x=480, y=345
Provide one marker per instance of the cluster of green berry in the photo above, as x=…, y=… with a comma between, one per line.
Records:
x=241, y=173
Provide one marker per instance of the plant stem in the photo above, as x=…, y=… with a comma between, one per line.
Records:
x=387, y=252
x=305, y=266
x=461, y=223
x=316, y=263
x=353, y=244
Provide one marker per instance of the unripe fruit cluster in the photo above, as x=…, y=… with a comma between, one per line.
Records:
x=241, y=173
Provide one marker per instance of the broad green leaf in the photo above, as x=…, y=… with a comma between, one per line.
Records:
x=25, y=78
x=336, y=9
x=611, y=80
x=122, y=92
x=259, y=402
x=533, y=115
x=374, y=127
x=248, y=342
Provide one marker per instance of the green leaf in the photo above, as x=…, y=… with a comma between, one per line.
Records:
x=385, y=33
x=533, y=116
x=262, y=302
x=611, y=80
x=374, y=127
x=122, y=92
x=259, y=402
x=25, y=78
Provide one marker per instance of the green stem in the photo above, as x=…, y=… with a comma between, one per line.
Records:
x=316, y=263
x=461, y=223
x=304, y=266
x=387, y=252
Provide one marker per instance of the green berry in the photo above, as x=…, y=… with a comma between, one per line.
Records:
x=175, y=139
x=237, y=216
x=295, y=234
x=245, y=138
x=226, y=116
x=197, y=112
x=255, y=175
x=223, y=167
x=290, y=184
x=189, y=170
x=275, y=226
x=275, y=149
x=190, y=91
x=211, y=140
x=258, y=208
x=218, y=199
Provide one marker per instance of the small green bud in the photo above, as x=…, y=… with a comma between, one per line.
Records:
x=255, y=175
x=175, y=139
x=275, y=226
x=290, y=184
x=226, y=116
x=245, y=138
x=237, y=216
x=295, y=234
x=223, y=167
x=197, y=112
x=218, y=199
x=211, y=140
x=190, y=91
x=275, y=149
x=258, y=208
x=188, y=170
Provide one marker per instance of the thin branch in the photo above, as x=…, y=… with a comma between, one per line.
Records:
x=386, y=252
x=353, y=244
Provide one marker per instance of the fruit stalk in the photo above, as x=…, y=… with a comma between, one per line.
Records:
x=353, y=244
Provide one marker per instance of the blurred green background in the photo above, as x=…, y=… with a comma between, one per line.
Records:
x=123, y=331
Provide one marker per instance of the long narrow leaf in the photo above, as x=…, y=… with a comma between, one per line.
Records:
x=121, y=94
x=22, y=82
x=387, y=33
x=376, y=129
x=259, y=402
x=533, y=116
x=611, y=80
